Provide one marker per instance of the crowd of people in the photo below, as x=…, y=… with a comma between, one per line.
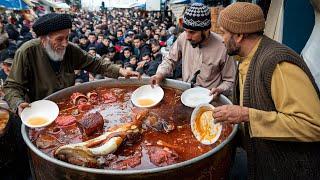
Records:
x=125, y=37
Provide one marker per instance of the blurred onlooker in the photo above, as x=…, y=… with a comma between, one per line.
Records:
x=92, y=51
x=5, y=68
x=172, y=36
x=114, y=56
x=83, y=42
x=126, y=55
x=92, y=40
x=140, y=47
x=132, y=64
x=148, y=66
x=3, y=38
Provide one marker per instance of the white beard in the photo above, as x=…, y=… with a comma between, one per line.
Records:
x=54, y=55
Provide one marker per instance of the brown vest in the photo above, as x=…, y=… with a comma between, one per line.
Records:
x=268, y=159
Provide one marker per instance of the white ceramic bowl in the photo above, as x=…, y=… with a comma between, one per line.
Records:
x=146, y=96
x=40, y=113
x=196, y=96
x=202, y=124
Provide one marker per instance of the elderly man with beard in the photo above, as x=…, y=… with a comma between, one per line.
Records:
x=276, y=98
x=203, y=54
x=45, y=65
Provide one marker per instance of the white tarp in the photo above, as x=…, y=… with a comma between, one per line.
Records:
x=95, y=4
x=153, y=5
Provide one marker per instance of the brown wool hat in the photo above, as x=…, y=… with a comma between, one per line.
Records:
x=242, y=17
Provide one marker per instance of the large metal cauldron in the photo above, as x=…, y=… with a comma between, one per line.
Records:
x=214, y=164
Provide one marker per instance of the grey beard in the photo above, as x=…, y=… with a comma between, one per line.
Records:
x=53, y=55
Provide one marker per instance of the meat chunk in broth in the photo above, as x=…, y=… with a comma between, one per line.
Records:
x=65, y=120
x=131, y=161
x=45, y=141
x=78, y=157
x=156, y=123
x=91, y=123
x=162, y=156
x=78, y=98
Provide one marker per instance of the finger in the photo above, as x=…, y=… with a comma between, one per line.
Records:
x=134, y=73
x=212, y=91
x=217, y=109
x=215, y=95
x=218, y=120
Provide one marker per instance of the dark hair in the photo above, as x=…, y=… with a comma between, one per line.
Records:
x=137, y=36
x=92, y=34
x=127, y=49
x=133, y=56
x=92, y=48
x=154, y=42
x=111, y=49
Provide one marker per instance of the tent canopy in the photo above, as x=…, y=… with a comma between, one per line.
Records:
x=180, y=2
x=138, y=5
x=13, y=4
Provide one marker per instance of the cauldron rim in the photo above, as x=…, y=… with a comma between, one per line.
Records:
x=167, y=83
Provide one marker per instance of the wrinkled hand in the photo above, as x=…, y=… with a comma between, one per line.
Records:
x=231, y=114
x=127, y=73
x=21, y=107
x=156, y=79
x=215, y=92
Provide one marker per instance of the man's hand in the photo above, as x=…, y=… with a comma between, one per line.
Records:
x=156, y=79
x=141, y=64
x=21, y=107
x=127, y=73
x=215, y=92
x=231, y=114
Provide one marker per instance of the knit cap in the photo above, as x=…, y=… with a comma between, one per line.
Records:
x=197, y=17
x=51, y=22
x=242, y=17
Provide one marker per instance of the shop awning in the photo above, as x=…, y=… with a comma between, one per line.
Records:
x=55, y=4
x=13, y=4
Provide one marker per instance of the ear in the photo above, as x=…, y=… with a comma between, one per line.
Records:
x=42, y=39
x=239, y=38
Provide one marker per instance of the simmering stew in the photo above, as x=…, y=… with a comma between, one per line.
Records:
x=102, y=129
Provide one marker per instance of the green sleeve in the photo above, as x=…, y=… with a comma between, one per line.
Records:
x=15, y=86
x=82, y=60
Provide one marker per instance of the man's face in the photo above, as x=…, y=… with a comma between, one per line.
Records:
x=83, y=41
x=92, y=53
x=119, y=34
x=126, y=53
x=148, y=32
x=6, y=68
x=133, y=61
x=92, y=38
x=146, y=58
x=229, y=40
x=56, y=43
x=106, y=42
x=194, y=37
x=156, y=36
x=137, y=43
x=100, y=39
x=111, y=54
x=98, y=30
x=154, y=48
